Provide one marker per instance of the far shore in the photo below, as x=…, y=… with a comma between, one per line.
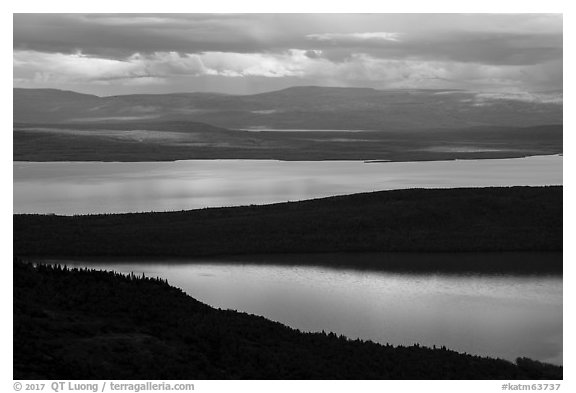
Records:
x=169, y=141
x=471, y=157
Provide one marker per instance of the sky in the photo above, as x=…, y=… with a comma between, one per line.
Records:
x=110, y=54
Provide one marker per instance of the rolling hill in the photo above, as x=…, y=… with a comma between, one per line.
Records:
x=297, y=108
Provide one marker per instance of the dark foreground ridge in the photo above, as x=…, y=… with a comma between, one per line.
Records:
x=466, y=219
x=84, y=324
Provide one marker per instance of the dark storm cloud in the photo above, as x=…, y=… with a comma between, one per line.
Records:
x=123, y=35
x=482, y=48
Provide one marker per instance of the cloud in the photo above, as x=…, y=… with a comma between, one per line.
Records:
x=478, y=51
x=296, y=63
x=354, y=37
x=555, y=98
x=59, y=67
x=481, y=38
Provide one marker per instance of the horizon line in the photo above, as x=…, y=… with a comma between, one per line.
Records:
x=293, y=87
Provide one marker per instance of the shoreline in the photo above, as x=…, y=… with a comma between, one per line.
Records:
x=515, y=263
x=364, y=160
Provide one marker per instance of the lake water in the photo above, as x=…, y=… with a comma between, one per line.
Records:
x=494, y=314
x=112, y=187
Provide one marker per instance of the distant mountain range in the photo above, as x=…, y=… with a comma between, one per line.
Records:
x=338, y=124
x=298, y=108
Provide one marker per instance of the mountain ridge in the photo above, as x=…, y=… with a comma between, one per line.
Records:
x=300, y=107
x=291, y=88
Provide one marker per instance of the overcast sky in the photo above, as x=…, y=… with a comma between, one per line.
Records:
x=249, y=53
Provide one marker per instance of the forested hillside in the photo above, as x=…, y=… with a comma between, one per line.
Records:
x=465, y=219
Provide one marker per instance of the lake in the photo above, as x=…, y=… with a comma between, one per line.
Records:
x=495, y=313
x=114, y=187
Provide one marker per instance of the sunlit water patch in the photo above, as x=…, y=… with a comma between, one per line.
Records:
x=110, y=187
